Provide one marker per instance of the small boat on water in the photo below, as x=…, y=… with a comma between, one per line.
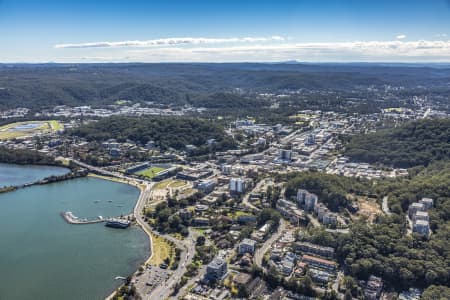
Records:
x=109, y=201
x=117, y=223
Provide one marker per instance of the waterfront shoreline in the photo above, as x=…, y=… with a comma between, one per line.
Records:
x=107, y=252
x=142, y=188
x=47, y=180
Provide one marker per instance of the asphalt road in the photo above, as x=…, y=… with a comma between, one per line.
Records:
x=259, y=253
x=385, y=206
x=187, y=246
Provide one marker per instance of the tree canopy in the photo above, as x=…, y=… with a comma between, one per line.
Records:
x=173, y=132
x=413, y=144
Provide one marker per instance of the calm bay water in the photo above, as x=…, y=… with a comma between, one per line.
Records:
x=43, y=257
x=18, y=175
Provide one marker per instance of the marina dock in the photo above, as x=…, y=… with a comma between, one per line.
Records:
x=70, y=218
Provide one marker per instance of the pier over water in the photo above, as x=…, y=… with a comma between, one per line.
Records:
x=70, y=218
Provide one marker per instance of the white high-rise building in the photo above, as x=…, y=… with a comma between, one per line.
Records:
x=237, y=185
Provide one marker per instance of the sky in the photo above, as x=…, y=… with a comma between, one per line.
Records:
x=224, y=31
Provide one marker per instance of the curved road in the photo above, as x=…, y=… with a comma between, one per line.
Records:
x=259, y=253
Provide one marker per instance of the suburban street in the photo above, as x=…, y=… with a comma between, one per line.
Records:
x=187, y=246
x=255, y=189
x=259, y=253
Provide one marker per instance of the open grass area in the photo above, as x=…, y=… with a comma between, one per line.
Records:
x=237, y=213
x=161, y=250
x=170, y=183
x=56, y=125
x=121, y=102
x=201, y=230
x=28, y=128
x=150, y=172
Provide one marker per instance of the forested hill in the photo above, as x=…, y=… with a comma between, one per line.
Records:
x=413, y=144
x=165, y=131
x=47, y=85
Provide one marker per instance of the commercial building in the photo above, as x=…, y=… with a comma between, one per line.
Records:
x=320, y=209
x=319, y=262
x=290, y=211
x=205, y=186
x=226, y=169
x=373, y=288
x=421, y=227
x=310, y=140
x=246, y=246
x=237, y=185
x=306, y=199
x=216, y=269
x=193, y=174
x=329, y=218
x=421, y=215
x=414, y=208
x=310, y=248
x=319, y=276
x=427, y=202
x=285, y=155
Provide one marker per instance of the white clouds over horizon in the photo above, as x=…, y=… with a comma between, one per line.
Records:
x=401, y=36
x=248, y=49
x=170, y=41
x=382, y=51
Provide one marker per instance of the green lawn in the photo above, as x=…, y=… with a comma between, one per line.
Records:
x=150, y=172
x=170, y=183
x=56, y=125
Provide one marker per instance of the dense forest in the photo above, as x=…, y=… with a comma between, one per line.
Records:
x=413, y=144
x=166, y=132
x=40, y=86
x=25, y=157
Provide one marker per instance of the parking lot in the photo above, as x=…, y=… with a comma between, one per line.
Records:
x=152, y=277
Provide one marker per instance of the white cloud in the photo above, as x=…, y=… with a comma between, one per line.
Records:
x=267, y=49
x=170, y=41
x=441, y=35
x=413, y=51
x=401, y=36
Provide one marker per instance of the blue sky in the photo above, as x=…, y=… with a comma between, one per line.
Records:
x=213, y=30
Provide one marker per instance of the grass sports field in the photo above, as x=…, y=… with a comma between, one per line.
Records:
x=150, y=172
x=28, y=128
